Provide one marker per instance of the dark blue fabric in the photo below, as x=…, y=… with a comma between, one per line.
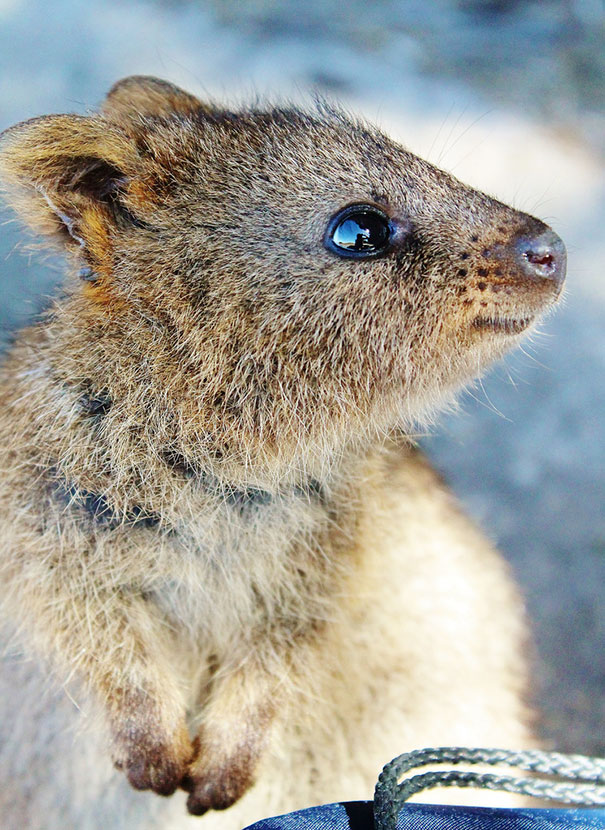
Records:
x=357, y=815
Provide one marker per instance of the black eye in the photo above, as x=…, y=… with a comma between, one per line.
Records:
x=358, y=231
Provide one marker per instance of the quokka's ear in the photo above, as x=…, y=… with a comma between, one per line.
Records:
x=140, y=96
x=64, y=175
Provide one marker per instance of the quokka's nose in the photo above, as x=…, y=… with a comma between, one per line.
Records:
x=542, y=256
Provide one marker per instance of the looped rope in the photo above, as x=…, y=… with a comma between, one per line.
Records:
x=585, y=784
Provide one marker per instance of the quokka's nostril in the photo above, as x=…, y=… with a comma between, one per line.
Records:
x=546, y=260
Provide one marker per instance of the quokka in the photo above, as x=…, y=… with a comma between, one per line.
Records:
x=216, y=533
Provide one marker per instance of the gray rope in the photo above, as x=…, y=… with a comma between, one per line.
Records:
x=585, y=784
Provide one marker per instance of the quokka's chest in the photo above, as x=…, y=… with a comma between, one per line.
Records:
x=236, y=574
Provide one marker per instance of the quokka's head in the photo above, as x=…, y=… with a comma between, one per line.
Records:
x=297, y=278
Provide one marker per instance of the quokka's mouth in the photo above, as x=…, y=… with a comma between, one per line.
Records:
x=503, y=325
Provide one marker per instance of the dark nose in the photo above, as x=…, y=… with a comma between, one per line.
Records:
x=542, y=256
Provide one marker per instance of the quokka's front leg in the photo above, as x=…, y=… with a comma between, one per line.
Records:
x=236, y=723
x=117, y=648
x=150, y=743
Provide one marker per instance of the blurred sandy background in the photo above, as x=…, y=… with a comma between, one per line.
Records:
x=510, y=96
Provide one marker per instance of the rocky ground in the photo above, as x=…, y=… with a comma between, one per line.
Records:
x=507, y=94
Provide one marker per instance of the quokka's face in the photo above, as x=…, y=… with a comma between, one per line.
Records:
x=306, y=268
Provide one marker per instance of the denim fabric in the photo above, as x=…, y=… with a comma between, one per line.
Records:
x=357, y=815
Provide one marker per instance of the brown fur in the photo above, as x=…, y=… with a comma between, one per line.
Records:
x=213, y=524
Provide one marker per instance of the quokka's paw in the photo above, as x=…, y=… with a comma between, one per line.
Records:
x=217, y=787
x=153, y=762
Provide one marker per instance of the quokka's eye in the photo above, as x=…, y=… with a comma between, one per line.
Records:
x=358, y=231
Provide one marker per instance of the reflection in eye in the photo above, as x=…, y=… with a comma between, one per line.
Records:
x=359, y=231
